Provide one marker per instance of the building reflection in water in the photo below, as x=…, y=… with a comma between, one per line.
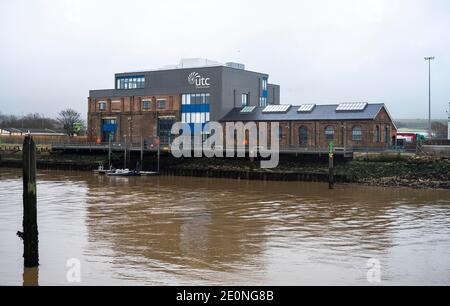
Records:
x=194, y=224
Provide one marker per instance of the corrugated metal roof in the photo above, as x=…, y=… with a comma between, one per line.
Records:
x=320, y=112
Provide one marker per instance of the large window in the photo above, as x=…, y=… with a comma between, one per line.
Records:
x=303, y=135
x=262, y=101
x=386, y=134
x=195, y=117
x=329, y=133
x=130, y=82
x=377, y=134
x=357, y=133
x=244, y=99
x=197, y=98
x=195, y=108
x=161, y=103
x=102, y=105
x=264, y=84
x=146, y=104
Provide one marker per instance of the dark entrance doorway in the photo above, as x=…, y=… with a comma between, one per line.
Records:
x=164, y=128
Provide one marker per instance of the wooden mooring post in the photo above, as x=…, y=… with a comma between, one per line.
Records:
x=30, y=228
x=330, y=167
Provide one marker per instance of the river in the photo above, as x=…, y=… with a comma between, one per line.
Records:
x=199, y=231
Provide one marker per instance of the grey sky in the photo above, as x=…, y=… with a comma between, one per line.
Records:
x=326, y=51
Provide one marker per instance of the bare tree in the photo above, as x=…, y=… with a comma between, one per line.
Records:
x=71, y=121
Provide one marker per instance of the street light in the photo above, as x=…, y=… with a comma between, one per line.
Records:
x=429, y=59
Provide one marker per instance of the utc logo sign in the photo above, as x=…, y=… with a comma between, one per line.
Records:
x=200, y=82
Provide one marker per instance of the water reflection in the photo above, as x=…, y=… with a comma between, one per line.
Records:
x=179, y=230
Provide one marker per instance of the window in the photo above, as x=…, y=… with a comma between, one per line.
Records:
x=329, y=133
x=303, y=135
x=161, y=103
x=146, y=104
x=280, y=132
x=244, y=99
x=202, y=98
x=262, y=101
x=102, y=106
x=386, y=134
x=356, y=133
x=264, y=84
x=130, y=82
x=377, y=134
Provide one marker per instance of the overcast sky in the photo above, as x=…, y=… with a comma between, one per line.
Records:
x=326, y=51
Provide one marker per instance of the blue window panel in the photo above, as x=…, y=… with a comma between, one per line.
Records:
x=109, y=127
x=195, y=108
x=196, y=128
x=264, y=94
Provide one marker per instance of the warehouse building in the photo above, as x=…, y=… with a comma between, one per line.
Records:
x=145, y=104
x=352, y=125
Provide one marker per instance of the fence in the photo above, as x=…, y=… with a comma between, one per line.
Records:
x=41, y=139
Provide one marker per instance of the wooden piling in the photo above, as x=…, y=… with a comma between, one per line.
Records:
x=30, y=228
x=330, y=172
x=330, y=167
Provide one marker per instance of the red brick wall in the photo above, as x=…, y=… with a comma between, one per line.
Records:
x=132, y=119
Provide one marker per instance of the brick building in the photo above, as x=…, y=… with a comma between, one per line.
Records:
x=145, y=104
x=352, y=125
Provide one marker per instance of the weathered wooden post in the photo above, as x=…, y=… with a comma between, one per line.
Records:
x=109, y=151
x=330, y=167
x=158, y=143
x=30, y=228
x=142, y=154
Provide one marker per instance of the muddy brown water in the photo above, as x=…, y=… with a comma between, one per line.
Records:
x=200, y=231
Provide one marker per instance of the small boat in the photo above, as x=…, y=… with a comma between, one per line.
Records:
x=122, y=172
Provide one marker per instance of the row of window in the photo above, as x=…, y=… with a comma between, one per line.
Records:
x=195, y=117
x=198, y=98
x=146, y=104
x=357, y=134
x=130, y=82
x=160, y=103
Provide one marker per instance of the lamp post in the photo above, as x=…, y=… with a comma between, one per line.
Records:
x=429, y=59
x=448, y=124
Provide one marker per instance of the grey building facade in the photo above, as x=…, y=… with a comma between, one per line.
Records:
x=196, y=94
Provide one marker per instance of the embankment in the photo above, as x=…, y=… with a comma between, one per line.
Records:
x=398, y=170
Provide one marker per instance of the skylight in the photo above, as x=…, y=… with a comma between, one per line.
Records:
x=276, y=108
x=248, y=109
x=306, y=108
x=349, y=107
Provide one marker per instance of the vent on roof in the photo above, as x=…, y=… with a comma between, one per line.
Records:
x=276, y=108
x=248, y=109
x=352, y=107
x=306, y=108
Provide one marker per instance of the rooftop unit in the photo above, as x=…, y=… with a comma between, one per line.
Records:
x=352, y=107
x=235, y=65
x=192, y=63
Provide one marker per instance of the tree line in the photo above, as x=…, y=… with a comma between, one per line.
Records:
x=68, y=120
